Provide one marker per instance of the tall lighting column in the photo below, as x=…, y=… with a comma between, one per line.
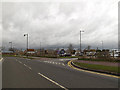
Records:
x=27, y=42
x=11, y=44
x=80, y=42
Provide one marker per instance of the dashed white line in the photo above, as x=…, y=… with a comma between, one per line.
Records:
x=52, y=81
x=20, y=62
x=30, y=68
x=55, y=63
x=25, y=65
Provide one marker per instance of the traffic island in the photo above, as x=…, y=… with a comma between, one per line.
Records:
x=95, y=68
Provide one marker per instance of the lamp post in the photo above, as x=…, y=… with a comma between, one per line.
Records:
x=11, y=44
x=80, y=42
x=27, y=42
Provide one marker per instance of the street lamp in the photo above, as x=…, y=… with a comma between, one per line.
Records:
x=11, y=44
x=80, y=42
x=27, y=42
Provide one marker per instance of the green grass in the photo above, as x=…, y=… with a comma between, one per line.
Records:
x=9, y=56
x=98, y=67
x=104, y=60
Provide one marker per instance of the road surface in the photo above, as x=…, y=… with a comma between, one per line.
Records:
x=49, y=73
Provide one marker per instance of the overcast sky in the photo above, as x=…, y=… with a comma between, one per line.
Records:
x=57, y=24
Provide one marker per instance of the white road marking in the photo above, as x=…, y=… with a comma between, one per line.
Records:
x=52, y=81
x=20, y=62
x=63, y=64
x=30, y=68
x=61, y=59
x=55, y=63
x=25, y=65
x=64, y=59
x=1, y=59
x=59, y=63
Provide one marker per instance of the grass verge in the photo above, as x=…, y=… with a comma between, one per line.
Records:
x=9, y=56
x=104, y=60
x=98, y=67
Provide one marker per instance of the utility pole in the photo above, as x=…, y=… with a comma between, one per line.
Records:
x=102, y=45
x=27, y=43
x=80, y=42
x=40, y=48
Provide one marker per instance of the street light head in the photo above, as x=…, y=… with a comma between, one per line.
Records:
x=81, y=31
x=25, y=34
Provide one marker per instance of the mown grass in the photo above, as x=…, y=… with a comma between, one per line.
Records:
x=99, y=67
x=104, y=59
x=9, y=56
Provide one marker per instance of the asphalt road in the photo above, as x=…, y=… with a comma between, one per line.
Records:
x=49, y=73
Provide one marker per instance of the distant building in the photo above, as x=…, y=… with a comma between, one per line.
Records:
x=30, y=52
x=7, y=52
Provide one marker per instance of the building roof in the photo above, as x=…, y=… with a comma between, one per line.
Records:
x=30, y=50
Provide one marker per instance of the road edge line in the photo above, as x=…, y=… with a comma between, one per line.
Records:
x=103, y=74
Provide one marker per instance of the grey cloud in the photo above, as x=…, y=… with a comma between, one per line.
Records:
x=56, y=23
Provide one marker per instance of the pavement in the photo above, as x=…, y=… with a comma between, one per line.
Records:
x=50, y=73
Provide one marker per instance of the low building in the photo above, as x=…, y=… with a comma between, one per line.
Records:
x=29, y=52
x=7, y=52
